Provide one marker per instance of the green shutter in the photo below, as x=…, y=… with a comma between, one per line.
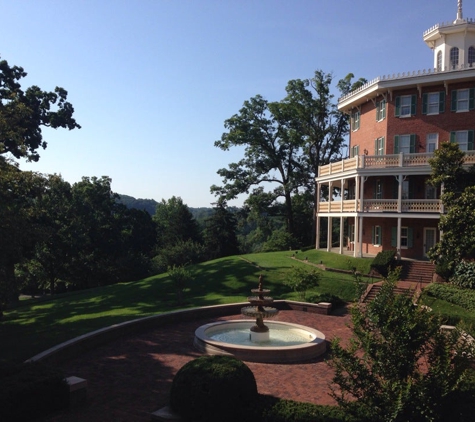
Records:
x=394, y=237
x=471, y=101
x=424, y=103
x=470, y=140
x=413, y=105
x=453, y=137
x=396, y=144
x=453, y=102
x=352, y=121
x=378, y=108
x=441, y=101
x=397, y=111
x=413, y=143
x=410, y=237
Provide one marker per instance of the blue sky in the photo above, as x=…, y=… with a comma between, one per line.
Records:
x=152, y=81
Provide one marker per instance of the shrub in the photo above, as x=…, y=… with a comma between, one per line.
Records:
x=180, y=277
x=214, y=388
x=301, y=281
x=452, y=294
x=464, y=275
x=384, y=262
x=31, y=391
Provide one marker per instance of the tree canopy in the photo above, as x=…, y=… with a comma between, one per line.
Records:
x=284, y=142
x=24, y=112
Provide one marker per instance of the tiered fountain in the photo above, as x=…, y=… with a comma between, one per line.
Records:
x=259, y=310
x=253, y=341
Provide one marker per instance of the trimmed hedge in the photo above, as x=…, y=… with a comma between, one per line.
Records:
x=30, y=391
x=214, y=388
x=384, y=261
x=452, y=294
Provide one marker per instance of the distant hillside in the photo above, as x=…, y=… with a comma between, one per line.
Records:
x=148, y=205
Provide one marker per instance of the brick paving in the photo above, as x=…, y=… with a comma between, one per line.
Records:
x=130, y=378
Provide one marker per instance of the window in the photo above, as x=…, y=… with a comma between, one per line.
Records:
x=378, y=189
x=406, y=237
x=471, y=56
x=355, y=120
x=351, y=232
x=354, y=151
x=351, y=191
x=454, y=57
x=405, y=144
x=431, y=192
x=380, y=110
x=464, y=138
x=379, y=146
x=433, y=102
x=463, y=99
x=432, y=142
x=405, y=105
x=439, y=61
x=376, y=235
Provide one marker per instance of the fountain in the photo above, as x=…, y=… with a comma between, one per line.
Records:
x=259, y=310
x=252, y=340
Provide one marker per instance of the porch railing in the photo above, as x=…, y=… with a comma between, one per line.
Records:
x=382, y=205
x=384, y=161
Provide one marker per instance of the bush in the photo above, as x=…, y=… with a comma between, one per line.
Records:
x=31, y=391
x=452, y=294
x=464, y=275
x=384, y=262
x=214, y=388
x=301, y=281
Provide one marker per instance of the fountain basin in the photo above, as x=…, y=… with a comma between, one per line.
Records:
x=311, y=342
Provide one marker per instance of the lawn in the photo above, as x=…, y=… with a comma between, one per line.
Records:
x=39, y=323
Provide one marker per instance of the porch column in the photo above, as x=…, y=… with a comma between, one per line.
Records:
x=329, y=234
x=361, y=193
x=356, y=240
x=399, y=193
x=357, y=193
x=317, y=218
x=341, y=235
x=342, y=193
x=360, y=238
x=398, y=239
x=317, y=237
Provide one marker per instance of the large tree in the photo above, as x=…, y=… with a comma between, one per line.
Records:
x=458, y=197
x=24, y=113
x=284, y=141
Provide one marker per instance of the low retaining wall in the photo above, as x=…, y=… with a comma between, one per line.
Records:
x=76, y=346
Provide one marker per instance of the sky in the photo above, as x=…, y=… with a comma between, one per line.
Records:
x=153, y=81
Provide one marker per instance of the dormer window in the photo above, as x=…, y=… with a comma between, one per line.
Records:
x=454, y=57
x=439, y=61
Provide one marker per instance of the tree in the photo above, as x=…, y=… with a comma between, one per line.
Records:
x=301, y=281
x=457, y=243
x=23, y=113
x=399, y=365
x=284, y=142
x=220, y=233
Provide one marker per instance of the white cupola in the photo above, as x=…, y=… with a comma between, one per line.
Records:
x=453, y=43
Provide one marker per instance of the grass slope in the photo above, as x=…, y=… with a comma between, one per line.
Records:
x=38, y=324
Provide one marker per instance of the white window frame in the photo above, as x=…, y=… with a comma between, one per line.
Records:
x=404, y=237
x=454, y=57
x=462, y=103
x=381, y=110
x=379, y=150
x=356, y=120
x=354, y=151
x=461, y=139
x=405, y=144
x=432, y=142
x=405, y=106
x=351, y=233
x=376, y=236
x=439, y=61
x=433, y=100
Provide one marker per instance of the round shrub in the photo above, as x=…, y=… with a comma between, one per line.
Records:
x=214, y=388
x=464, y=275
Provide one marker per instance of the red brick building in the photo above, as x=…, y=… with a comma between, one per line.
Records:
x=397, y=122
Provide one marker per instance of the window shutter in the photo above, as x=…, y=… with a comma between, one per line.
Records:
x=394, y=237
x=424, y=103
x=470, y=140
x=372, y=235
x=383, y=106
x=453, y=102
x=413, y=143
x=413, y=105
x=378, y=109
x=410, y=237
x=453, y=137
x=376, y=146
x=441, y=101
x=397, y=111
x=383, y=146
x=396, y=144
x=471, y=100
x=352, y=121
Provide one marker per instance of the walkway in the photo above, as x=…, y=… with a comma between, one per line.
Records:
x=130, y=378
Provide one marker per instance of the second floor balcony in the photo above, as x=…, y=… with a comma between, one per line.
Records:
x=376, y=162
x=382, y=205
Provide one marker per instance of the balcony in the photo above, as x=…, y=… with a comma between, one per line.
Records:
x=382, y=205
x=383, y=161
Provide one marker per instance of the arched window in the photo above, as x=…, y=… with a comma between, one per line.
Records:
x=439, y=61
x=471, y=56
x=454, y=57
